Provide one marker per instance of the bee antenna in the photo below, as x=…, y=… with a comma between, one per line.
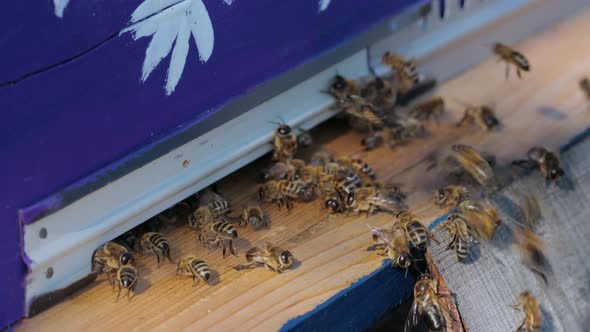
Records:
x=274, y=122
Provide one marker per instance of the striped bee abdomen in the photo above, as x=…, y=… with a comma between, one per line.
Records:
x=520, y=60
x=219, y=207
x=225, y=228
x=201, y=268
x=417, y=233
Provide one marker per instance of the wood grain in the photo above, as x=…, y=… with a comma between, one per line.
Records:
x=545, y=107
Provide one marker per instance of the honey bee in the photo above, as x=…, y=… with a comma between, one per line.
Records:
x=278, y=171
x=369, y=199
x=475, y=164
x=334, y=203
x=430, y=108
x=404, y=70
x=273, y=258
x=481, y=218
x=450, y=196
x=254, y=216
x=461, y=238
x=585, y=86
x=341, y=87
x=482, y=116
x=346, y=187
x=359, y=166
x=215, y=233
x=156, y=243
x=360, y=109
x=109, y=257
x=285, y=143
x=546, y=161
x=427, y=305
x=126, y=278
x=400, y=132
x=533, y=317
x=191, y=266
x=311, y=174
x=380, y=92
x=321, y=158
x=417, y=232
x=283, y=192
x=393, y=244
x=511, y=56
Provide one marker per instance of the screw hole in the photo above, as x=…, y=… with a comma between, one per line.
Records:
x=49, y=273
x=43, y=233
x=186, y=163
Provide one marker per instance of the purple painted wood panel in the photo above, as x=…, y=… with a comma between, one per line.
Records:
x=63, y=124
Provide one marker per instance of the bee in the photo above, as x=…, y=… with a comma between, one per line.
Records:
x=285, y=143
x=369, y=199
x=404, y=70
x=546, y=161
x=191, y=266
x=215, y=233
x=278, y=171
x=475, y=164
x=359, y=166
x=511, y=56
x=529, y=244
x=273, y=258
x=254, y=216
x=340, y=87
x=585, y=86
x=533, y=317
x=311, y=174
x=327, y=185
x=430, y=108
x=126, y=278
x=171, y=215
x=219, y=207
x=109, y=257
x=461, y=238
x=156, y=243
x=400, y=132
x=482, y=116
x=417, y=232
x=360, y=109
x=380, y=92
x=346, y=188
x=321, y=158
x=481, y=218
x=283, y=192
x=450, y=196
x=427, y=305
x=334, y=203
x=394, y=245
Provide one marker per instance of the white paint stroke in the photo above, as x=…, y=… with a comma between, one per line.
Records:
x=170, y=29
x=229, y=2
x=323, y=5
x=59, y=6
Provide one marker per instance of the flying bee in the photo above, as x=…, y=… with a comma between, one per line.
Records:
x=340, y=87
x=254, y=216
x=285, y=143
x=511, y=57
x=461, y=238
x=321, y=158
x=215, y=233
x=273, y=258
x=481, y=218
x=585, y=86
x=380, y=92
x=533, y=316
x=404, y=70
x=156, y=243
x=475, y=164
x=417, y=232
x=483, y=117
x=393, y=244
x=450, y=196
x=430, y=108
x=360, y=109
x=546, y=161
x=334, y=203
x=359, y=166
x=191, y=266
x=109, y=257
x=427, y=305
x=126, y=278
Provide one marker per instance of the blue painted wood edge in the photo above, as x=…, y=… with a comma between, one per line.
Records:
x=362, y=303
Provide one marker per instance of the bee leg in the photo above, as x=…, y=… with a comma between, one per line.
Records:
x=194, y=281
x=231, y=248
x=244, y=266
x=157, y=256
x=519, y=328
x=119, y=292
x=431, y=237
x=451, y=244
x=518, y=73
x=463, y=120
x=507, y=70
x=375, y=246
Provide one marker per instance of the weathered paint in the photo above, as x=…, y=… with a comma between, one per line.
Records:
x=73, y=102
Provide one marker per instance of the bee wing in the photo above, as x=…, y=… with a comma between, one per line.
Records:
x=385, y=204
x=412, y=319
x=531, y=210
x=473, y=162
x=381, y=234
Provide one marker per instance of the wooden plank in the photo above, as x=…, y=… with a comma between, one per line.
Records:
x=331, y=249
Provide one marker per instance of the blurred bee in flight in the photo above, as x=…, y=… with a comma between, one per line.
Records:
x=545, y=161
x=533, y=317
x=273, y=258
x=405, y=71
x=450, y=196
x=482, y=116
x=511, y=57
x=431, y=108
x=585, y=86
